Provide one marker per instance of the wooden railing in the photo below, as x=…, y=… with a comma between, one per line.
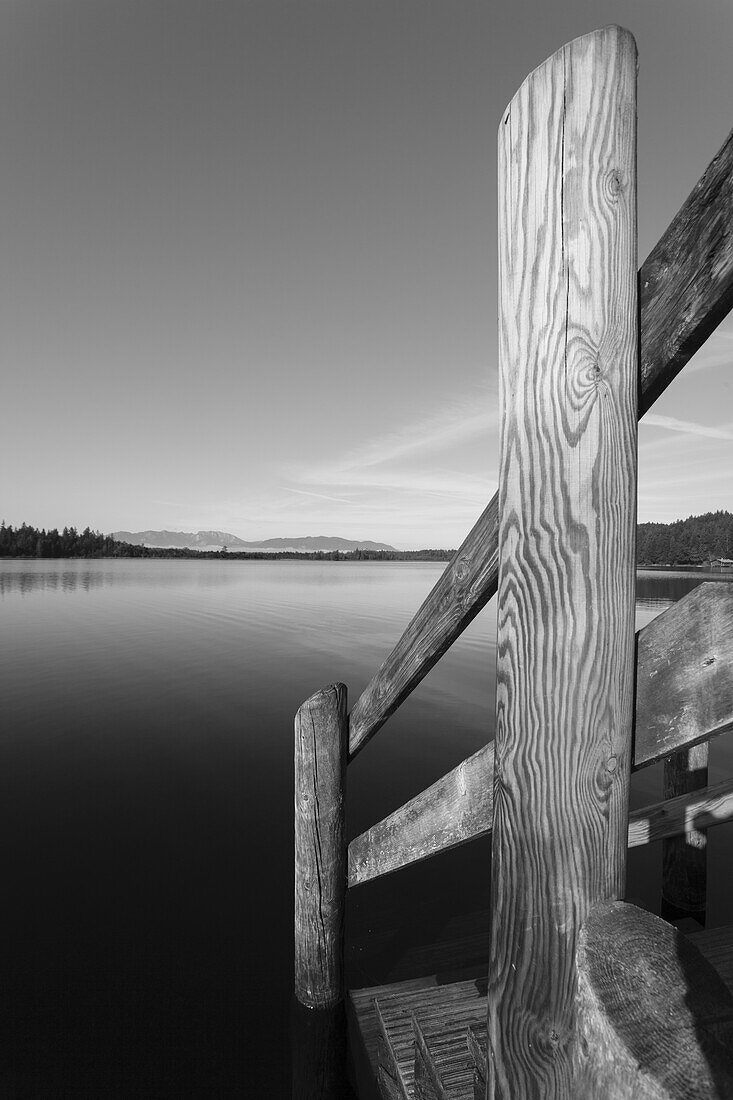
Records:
x=682, y=664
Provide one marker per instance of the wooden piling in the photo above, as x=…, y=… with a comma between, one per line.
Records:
x=321, y=745
x=565, y=646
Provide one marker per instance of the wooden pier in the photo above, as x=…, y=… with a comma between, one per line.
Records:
x=563, y=990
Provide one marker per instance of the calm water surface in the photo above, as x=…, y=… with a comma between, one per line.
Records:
x=146, y=805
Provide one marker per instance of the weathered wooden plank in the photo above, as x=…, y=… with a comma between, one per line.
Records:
x=684, y=695
x=685, y=291
x=686, y=283
x=568, y=345
x=684, y=858
x=393, y=1065
x=654, y=1016
x=321, y=735
x=476, y=1046
x=428, y=1084
x=684, y=689
x=695, y=810
x=364, y=1027
x=444, y=1013
x=443, y=816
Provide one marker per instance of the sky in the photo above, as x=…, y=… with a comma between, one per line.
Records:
x=248, y=258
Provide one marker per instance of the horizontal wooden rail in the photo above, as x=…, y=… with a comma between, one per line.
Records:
x=684, y=695
x=685, y=291
x=680, y=815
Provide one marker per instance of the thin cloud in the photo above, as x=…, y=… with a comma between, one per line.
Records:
x=451, y=426
x=321, y=496
x=379, y=462
x=687, y=427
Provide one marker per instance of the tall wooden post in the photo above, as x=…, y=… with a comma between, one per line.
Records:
x=565, y=648
x=321, y=746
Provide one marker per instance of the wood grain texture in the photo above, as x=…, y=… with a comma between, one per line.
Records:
x=685, y=291
x=684, y=695
x=694, y=811
x=685, y=673
x=568, y=348
x=321, y=733
x=444, y=1013
x=428, y=1083
x=654, y=1017
x=686, y=283
x=476, y=1046
x=445, y=815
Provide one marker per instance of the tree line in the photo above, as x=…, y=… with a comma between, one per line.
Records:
x=692, y=541
x=33, y=542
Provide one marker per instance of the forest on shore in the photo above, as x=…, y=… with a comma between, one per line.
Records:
x=686, y=542
x=31, y=542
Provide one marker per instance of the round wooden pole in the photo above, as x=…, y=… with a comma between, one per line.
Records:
x=567, y=492
x=321, y=746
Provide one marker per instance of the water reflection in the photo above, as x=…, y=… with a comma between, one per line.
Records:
x=146, y=800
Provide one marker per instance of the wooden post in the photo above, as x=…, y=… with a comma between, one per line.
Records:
x=321, y=745
x=567, y=491
x=684, y=858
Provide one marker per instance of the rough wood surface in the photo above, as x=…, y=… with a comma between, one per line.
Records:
x=685, y=291
x=684, y=685
x=654, y=1017
x=391, y=1080
x=476, y=1046
x=365, y=1030
x=567, y=489
x=428, y=1083
x=443, y=1012
x=440, y=817
x=684, y=858
x=438, y=1005
x=686, y=283
x=680, y=816
x=684, y=694
x=321, y=733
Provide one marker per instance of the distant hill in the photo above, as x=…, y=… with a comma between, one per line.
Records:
x=215, y=540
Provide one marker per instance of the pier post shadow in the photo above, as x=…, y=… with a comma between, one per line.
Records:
x=318, y=1047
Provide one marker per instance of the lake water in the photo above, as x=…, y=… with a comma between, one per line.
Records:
x=146, y=806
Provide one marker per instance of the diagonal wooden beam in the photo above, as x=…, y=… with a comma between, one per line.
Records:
x=685, y=290
x=684, y=695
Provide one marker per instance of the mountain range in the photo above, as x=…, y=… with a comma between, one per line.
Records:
x=215, y=540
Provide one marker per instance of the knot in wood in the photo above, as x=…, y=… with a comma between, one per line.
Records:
x=614, y=184
x=612, y=763
x=462, y=569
